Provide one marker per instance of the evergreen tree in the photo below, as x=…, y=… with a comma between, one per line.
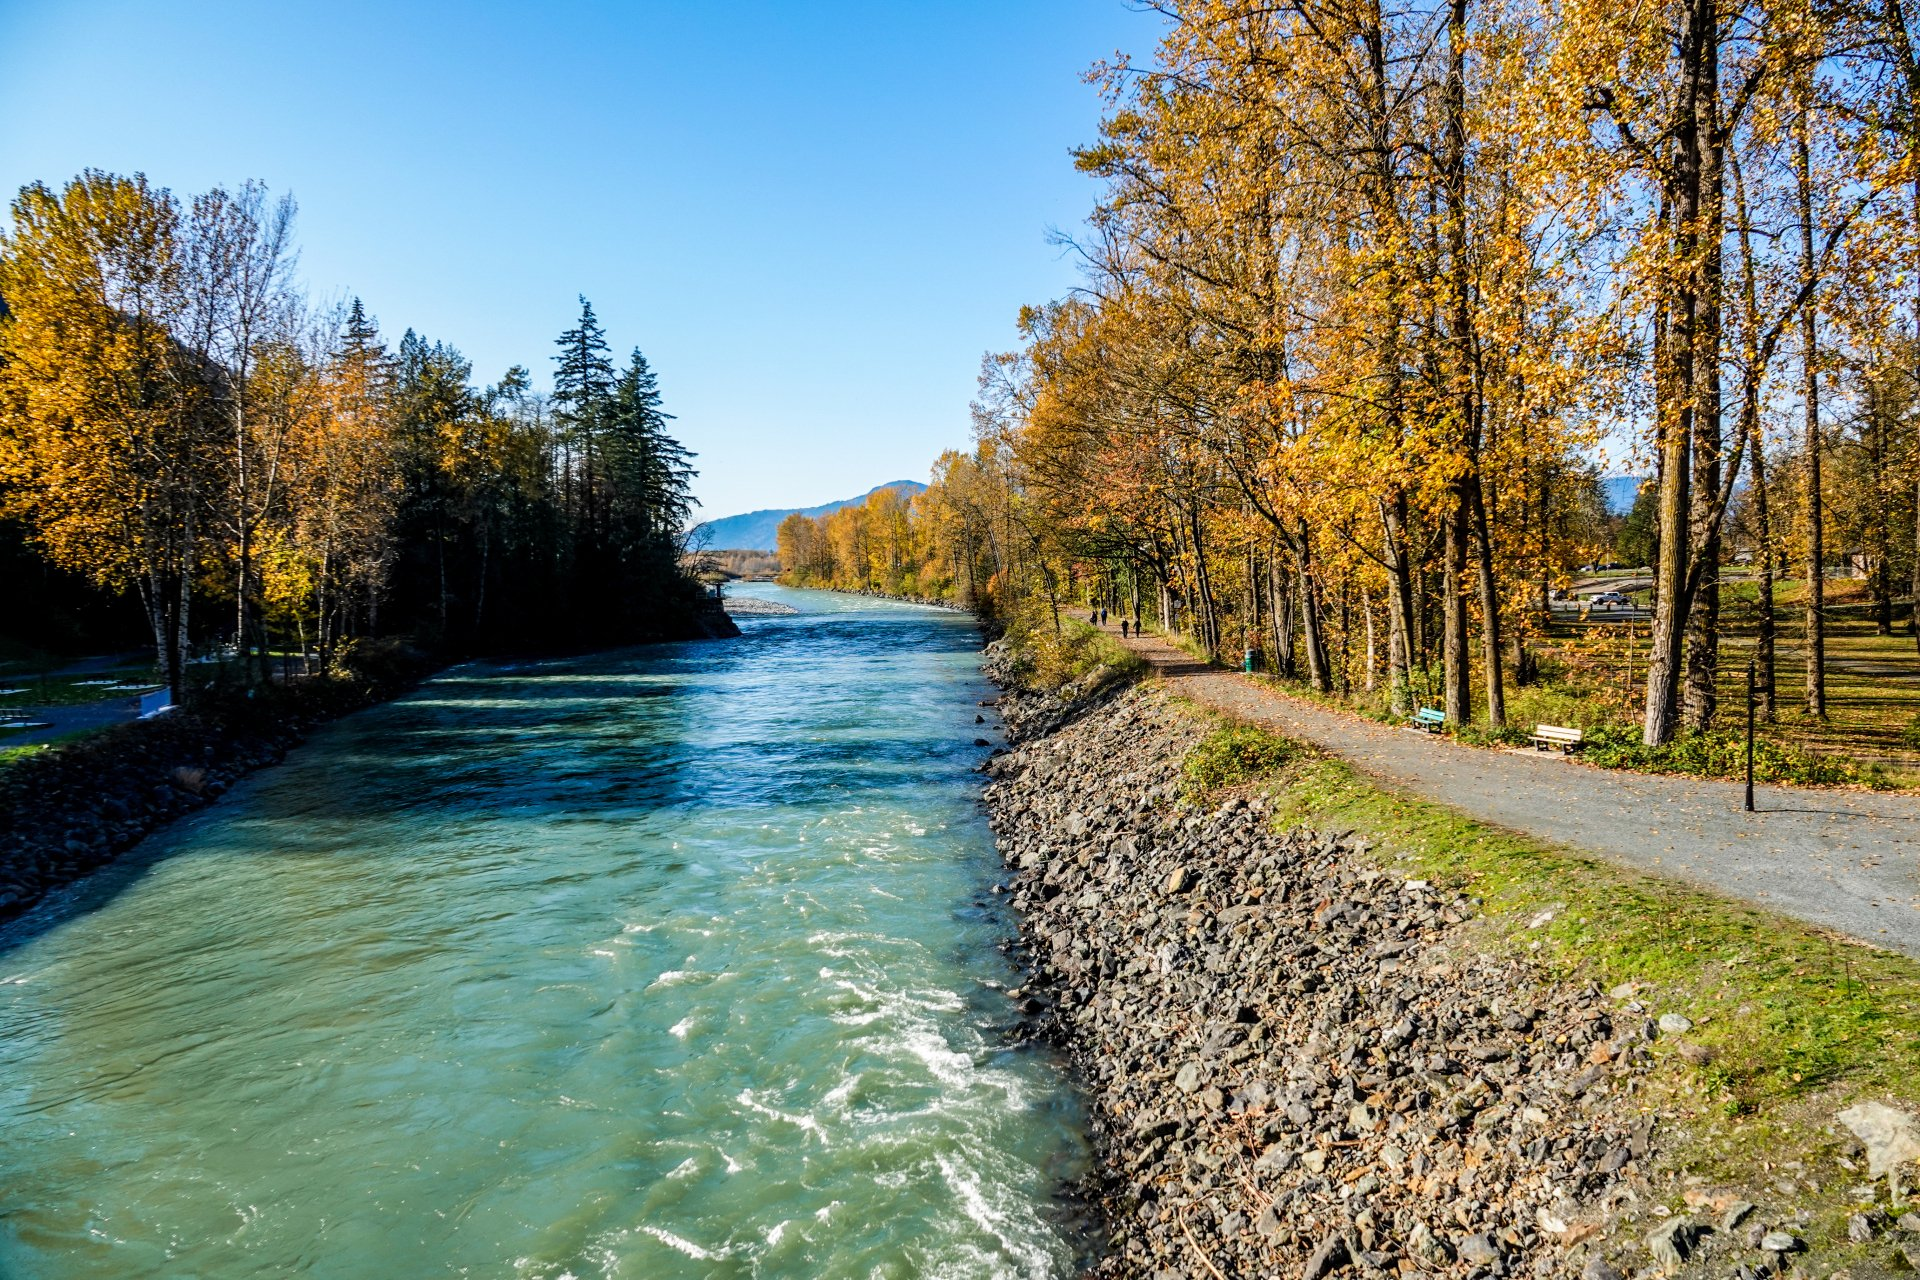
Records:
x=582, y=387
x=360, y=345
x=655, y=476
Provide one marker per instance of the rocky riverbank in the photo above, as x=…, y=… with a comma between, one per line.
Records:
x=1299, y=1063
x=71, y=809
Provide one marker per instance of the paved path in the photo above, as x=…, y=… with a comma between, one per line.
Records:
x=1848, y=861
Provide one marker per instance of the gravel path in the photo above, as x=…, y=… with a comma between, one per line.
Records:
x=1847, y=861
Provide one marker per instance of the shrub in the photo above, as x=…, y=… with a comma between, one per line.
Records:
x=1048, y=659
x=1718, y=753
x=1230, y=755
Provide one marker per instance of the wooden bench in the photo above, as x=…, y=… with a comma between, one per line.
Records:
x=1554, y=737
x=1429, y=720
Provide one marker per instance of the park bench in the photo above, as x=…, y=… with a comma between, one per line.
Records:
x=1429, y=720
x=1554, y=737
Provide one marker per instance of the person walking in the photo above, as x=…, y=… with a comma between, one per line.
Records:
x=1123, y=628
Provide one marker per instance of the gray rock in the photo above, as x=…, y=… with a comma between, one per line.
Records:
x=1672, y=1241
x=1328, y=1258
x=1891, y=1136
x=1781, y=1242
x=1909, y=1222
x=1598, y=1268
x=1482, y=1250
x=1737, y=1212
x=1424, y=1244
x=1675, y=1024
x=1189, y=1078
x=1274, y=1159
x=1179, y=880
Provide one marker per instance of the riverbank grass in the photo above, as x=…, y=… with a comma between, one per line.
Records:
x=1790, y=1024
x=1072, y=657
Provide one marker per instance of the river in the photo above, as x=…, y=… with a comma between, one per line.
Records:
x=674, y=961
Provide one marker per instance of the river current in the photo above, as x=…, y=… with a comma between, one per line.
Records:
x=673, y=961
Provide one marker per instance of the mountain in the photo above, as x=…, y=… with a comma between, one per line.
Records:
x=1621, y=491
x=754, y=531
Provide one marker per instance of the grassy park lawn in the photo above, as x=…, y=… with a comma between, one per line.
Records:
x=20, y=689
x=1596, y=670
x=1593, y=675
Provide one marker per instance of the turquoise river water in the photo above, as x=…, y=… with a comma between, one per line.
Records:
x=666, y=962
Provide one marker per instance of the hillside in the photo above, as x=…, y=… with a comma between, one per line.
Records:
x=754, y=531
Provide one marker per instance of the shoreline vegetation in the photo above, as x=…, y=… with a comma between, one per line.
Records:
x=185, y=440
x=1326, y=1028
x=301, y=517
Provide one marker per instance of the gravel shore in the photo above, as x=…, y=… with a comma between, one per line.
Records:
x=1297, y=1062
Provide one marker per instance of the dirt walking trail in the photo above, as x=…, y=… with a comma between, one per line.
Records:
x=1846, y=861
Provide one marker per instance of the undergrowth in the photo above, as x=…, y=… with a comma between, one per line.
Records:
x=1230, y=755
x=1051, y=658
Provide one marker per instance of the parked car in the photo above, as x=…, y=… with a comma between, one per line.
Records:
x=1611, y=599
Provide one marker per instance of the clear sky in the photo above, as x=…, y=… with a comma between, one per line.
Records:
x=813, y=217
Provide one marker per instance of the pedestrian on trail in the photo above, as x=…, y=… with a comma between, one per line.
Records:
x=1123, y=628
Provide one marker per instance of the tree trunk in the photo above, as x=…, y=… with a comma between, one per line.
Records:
x=1816, y=625
x=1373, y=654
x=1709, y=444
x=1676, y=378
x=1312, y=635
x=1489, y=612
x=1455, y=660
x=1399, y=606
x=1456, y=691
x=1280, y=613
x=1764, y=638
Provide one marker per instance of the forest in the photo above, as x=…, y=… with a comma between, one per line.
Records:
x=181, y=427
x=1371, y=293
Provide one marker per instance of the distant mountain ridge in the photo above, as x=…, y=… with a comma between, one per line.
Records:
x=755, y=530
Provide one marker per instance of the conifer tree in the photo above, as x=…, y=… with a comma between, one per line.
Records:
x=582, y=386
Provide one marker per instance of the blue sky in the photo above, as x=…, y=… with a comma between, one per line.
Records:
x=813, y=217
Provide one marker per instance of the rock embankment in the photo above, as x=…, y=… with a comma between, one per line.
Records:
x=71, y=809
x=1298, y=1063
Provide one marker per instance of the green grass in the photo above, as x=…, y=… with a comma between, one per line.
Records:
x=21, y=752
x=1230, y=755
x=1798, y=1023
x=67, y=691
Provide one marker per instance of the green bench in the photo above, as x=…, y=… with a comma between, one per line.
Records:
x=1429, y=720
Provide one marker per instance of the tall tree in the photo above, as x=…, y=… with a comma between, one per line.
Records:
x=104, y=447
